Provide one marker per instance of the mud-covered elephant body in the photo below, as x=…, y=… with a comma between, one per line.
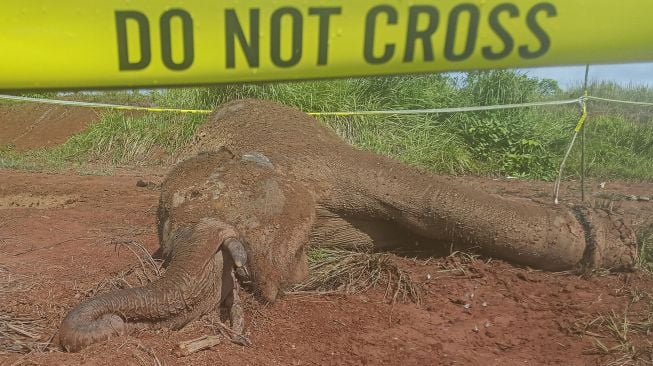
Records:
x=276, y=181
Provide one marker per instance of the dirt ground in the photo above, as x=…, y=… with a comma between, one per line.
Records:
x=56, y=233
x=30, y=126
x=57, y=246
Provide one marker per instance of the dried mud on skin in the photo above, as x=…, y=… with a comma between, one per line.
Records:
x=472, y=312
x=387, y=198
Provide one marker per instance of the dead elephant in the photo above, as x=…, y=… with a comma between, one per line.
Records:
x=263, y=182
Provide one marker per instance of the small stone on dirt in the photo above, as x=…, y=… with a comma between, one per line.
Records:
x=568, y=289
x=148, y=185
x=644, y=198
x=457, y=301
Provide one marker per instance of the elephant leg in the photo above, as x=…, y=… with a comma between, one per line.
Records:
x=542, y=236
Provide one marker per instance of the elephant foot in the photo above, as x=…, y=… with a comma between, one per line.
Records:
x=611, y=243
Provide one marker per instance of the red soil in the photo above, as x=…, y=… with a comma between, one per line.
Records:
x=55, y=231
x=31, y=126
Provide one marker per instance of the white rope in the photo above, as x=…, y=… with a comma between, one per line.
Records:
x=449, y=110
x=360, y=113
x=99, y=105
x=556, y=186
x=346, y=113
x=619, y=101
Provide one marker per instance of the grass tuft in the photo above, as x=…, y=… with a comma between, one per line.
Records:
x=18, y=334
x=645, y=246
x=623, y=337
x=335, y=270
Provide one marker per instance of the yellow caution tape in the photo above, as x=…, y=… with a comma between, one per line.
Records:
x=583, y=115
x=65, y=44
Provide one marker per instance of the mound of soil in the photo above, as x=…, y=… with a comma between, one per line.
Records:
x=32, y=126
x=477, y=313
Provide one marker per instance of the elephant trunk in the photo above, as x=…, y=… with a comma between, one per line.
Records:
x=170, y=302
x=191, y=286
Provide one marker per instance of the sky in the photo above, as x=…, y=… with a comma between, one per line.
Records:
x=639, y=74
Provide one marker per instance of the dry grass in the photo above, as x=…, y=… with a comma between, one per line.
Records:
x=18, y=334
x=21, y=335
x=136, y=275
x=144, y=355
x=455, y=264
x=624, y=337
x=609, y=201
x=11, y=283
x=335, y=270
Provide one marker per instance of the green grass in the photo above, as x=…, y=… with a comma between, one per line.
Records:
x=122, y=138
x=117, y=139
x=618, y=148
x=526, y=143
x=645, y=245
x=506, y=143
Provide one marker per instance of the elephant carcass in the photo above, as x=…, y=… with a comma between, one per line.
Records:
x=275, y=181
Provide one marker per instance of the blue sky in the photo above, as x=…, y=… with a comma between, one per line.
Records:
x=640, y=74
